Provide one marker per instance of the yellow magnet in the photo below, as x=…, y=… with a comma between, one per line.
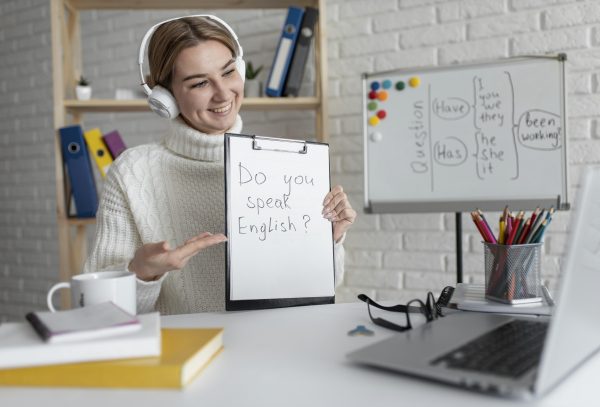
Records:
x=414, y=81
x=373, y=120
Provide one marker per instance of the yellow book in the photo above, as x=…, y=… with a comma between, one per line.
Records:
x=185, y=352
x=98, y=149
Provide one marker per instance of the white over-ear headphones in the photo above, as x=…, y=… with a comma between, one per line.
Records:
x=161, y=101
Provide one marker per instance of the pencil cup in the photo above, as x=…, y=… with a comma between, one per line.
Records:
x=512, y=272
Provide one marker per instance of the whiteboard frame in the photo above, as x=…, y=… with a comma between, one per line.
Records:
x=560, y=202
x=266, y=303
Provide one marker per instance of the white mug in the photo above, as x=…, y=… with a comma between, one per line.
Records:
x=95, y=288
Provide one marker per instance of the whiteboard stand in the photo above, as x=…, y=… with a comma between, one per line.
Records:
x=459, y=251
x=455, y=138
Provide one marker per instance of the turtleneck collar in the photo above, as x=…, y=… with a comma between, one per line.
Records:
x=188, y=142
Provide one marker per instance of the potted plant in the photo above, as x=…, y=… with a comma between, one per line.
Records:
x=83, y=90
x=252, y=87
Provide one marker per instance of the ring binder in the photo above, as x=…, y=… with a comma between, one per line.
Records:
x=79, y=177
x=255, y=145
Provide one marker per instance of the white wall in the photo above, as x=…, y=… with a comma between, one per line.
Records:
x=388, y=256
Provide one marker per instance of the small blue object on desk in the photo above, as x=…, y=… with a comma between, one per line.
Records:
x=361, y=330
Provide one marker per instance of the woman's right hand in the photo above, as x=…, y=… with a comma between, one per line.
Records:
x=152, y=260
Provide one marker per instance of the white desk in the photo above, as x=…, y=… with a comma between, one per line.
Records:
x=296, y=357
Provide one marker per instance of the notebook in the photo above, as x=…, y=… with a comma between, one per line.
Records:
x=90, y=322
x=471, y=297
x=459, y=348
x=21, y=346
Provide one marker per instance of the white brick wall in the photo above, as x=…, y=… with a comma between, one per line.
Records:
x=393, y=257
x=28, y=248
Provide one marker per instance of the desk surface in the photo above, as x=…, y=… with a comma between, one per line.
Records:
x=296, y=357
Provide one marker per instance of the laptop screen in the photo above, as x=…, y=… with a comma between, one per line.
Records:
x=574, y=332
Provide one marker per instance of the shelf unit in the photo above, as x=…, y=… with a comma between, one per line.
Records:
x=67, y=65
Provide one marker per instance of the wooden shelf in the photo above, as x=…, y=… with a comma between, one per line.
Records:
x=80, y=221
x=140, y=105
x=186, y=4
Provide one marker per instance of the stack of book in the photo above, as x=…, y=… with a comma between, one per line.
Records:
x=102, y=346
x=77, y=146
x=287, y=70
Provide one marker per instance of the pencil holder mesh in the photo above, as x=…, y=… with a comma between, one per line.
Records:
x=512, y=272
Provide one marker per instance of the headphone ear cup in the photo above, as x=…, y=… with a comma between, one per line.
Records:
x=240, y=65
x=163, y=103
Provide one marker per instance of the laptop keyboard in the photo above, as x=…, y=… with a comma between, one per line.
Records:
x=509, y=350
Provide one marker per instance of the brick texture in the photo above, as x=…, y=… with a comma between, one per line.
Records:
x=395, y=257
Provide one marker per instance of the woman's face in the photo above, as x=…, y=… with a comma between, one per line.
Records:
x=207, y=87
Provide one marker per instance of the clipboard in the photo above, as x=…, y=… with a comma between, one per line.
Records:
x=279, y=251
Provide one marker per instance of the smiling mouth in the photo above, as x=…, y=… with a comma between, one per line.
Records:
x=223, y=109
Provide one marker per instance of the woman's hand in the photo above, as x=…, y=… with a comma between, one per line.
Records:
x=152, y=260
x=338, y=210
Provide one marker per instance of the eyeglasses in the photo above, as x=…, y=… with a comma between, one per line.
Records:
x=431, y=309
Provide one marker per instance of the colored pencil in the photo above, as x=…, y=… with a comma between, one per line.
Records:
x=534, y=228
x=509, y=228
x=541, y=236
x=487, y=225
x=483, y=235
x=486, y=232
x=525, y=231
x=516, y=227
x=534, y=215
x=520, y=230
x=540, y=232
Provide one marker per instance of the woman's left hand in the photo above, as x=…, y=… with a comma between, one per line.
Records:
x=338, y=210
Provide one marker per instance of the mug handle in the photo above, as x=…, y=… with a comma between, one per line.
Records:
x=54, y=288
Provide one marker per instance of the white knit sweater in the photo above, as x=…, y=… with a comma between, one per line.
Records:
x=172, y=190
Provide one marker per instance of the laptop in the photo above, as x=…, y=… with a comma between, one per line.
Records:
x=512, y=356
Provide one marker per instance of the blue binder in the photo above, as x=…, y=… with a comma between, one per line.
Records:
x=79, y=171
x=285, y=51
x=298, y=64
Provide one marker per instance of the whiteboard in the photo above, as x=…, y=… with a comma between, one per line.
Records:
x=280, y=248
x=464, y=137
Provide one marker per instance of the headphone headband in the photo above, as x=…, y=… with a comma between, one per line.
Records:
x=149, y=33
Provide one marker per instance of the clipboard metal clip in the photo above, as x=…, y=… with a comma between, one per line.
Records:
x=266, y=142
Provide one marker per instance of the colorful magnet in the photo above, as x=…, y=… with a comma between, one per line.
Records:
x=382, y=95
x=372, y=105
x=361, y=330
x=376, y=136
x=381, y=114
x=374, y=85
x=373, y=120
x=387, y=84
x=400, y=85
x=414, y=81
x=372, y=95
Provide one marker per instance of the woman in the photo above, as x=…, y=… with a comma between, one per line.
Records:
x=158, y=197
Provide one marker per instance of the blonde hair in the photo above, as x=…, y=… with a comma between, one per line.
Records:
x=172, y=37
